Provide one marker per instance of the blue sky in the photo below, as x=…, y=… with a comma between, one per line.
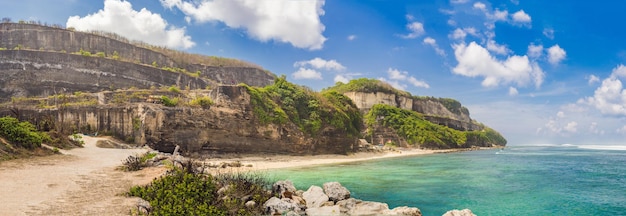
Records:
x=537, y=71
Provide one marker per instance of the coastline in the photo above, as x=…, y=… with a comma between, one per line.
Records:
x=270, y=162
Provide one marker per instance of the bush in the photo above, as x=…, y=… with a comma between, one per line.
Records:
x=169, y=102
x=204, y=102
x=174, y=89
x=22, y=134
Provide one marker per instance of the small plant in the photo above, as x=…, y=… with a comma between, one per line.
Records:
x=204, y=102
x=56, y=150
x=174, y=89
x=101, y=54
x=116, y=56
x=169, y=102
x=78, y=139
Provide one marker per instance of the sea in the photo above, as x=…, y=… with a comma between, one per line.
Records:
x=517, y=180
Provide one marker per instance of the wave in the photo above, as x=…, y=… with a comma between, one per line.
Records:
x=603, y=147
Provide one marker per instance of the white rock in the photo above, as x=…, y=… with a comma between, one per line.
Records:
x=280, y=206
x=336, y=192
x=281, y=186
x=405, y=211
x=314, y=197
x=455, y=212
x=324, y=210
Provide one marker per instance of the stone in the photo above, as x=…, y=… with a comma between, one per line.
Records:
x=456, y=212
x=336, y=192
x=280, y=206
x=298, y=200
x=323, y=211
x=250, y=204
x=280, y=187
x=347, y=205
x=223, y=190
x=314, y=197
x=405, y=211
x=144, y=207
x=369, y=208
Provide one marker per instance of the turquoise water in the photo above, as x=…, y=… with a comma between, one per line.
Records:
x=535, y=180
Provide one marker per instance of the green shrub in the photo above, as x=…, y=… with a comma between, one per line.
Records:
x=174, y=89
x=22, y=134
x=204, y=102
x=169, y=102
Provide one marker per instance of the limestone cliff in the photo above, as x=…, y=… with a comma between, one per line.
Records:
x=228, y=126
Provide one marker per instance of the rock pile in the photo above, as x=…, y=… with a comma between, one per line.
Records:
x=333, y=199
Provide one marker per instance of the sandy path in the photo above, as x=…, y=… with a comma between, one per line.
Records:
x=82, y=181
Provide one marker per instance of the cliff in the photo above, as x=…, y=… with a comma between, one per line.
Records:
x=36, y=48
x=228, y=126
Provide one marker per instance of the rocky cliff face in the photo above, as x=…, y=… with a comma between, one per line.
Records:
x=25, y=73
x=229, y=126
x=50, y=40
x=433, y=110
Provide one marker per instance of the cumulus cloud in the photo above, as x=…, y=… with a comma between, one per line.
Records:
x=458, y=34
x=294, y=22
x=480, y=6
x=556, y=54
x=610, y=97
x=342, y=78
x=560, y=114
x=513, y=91
x=394, y=83
x=497, y=48
x=521, y=17
x=398, y=76
x=570, y=127
x=319, y=63
x=351, y=37
x=535, y=51
x=119, y=17
x=416, y=29
x=433, y=43
x=306, y=73
x=499, y=15
x=475, y=61
x=593, y=79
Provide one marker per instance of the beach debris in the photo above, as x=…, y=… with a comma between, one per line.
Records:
x=336, y=192
x=456, y=212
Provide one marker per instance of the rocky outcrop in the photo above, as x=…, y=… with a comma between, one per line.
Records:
x=455, y=212
x=434, y=109
x=228, y=126
x=42, y=56
x=337, y=202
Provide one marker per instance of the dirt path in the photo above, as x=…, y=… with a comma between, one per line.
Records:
x=82, y=181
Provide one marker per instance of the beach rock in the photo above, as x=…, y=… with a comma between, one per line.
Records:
x=315, y=197
x=281, y=186
x=456, y=212
x=281, y=206
x=324, y=210
x=144, y=207
x=404, y=211
x=336, y=192
x=298, y=200
x=369, y=208
x=347, y=205
x=250, y=204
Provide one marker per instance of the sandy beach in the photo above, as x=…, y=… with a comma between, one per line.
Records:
x=85, y=181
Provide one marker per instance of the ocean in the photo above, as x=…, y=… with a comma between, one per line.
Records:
x=518, y=180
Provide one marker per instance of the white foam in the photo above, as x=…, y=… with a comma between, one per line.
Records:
x=604, y=147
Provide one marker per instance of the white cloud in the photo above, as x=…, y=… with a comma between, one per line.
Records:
x=319, y=63
x=459, y=1
x=342, y=78
x=560, y=114
x=294, y=22
x=556, y=54
x=451, y=22
x=593, y=79
x=397, y=75
x=393, y=83
x=480, y=6
x=119, y=17
x=433, y=43
x=535, y=51
x=549, y=33
x=416, y=28
x=305, y=73
x=621, y=130
x=458, y=34
x=351, y=37
x=570, y=127
x=497, y=48
x=475, y=61
x=610, y=97
x=521, y=17
x=513, y=91
x=499, y=15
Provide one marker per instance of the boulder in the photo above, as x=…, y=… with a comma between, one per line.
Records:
x=280, y=187
x=347, y=205
x=323, y=211
x=456, y=212
x=314, y=197
x=250, y=204
x=336, y=192
x=280, y=206
x=369, y=208
x=405, y=211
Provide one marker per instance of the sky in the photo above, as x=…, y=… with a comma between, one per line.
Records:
x=540, y=72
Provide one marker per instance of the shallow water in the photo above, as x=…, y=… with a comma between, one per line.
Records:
x=529, y=180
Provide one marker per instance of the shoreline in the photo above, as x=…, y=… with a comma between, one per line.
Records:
x=255, y=162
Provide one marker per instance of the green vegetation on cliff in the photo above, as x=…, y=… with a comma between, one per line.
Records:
x=417, y=131
x=366, y=85
x=310, y=111
x=22, y=134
